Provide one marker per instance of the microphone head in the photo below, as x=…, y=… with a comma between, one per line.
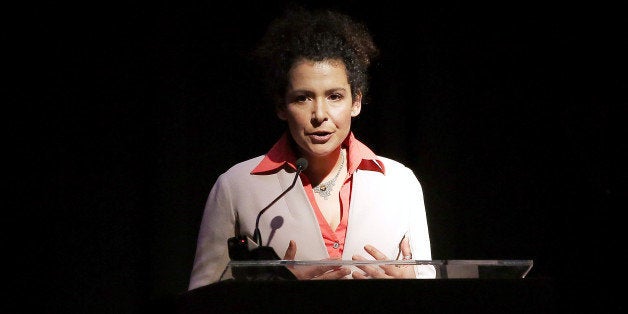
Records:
x=301, y=164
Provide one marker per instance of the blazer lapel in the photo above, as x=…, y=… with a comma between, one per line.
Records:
x=301, y=224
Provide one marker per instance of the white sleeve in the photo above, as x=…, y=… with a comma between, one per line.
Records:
x=217, y=226
x=418, y=228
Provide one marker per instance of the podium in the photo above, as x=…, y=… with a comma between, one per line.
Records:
x=459, y=286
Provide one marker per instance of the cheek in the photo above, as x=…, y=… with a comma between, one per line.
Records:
x=343, y=117
x=297, y=118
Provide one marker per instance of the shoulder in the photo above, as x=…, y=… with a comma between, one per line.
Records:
x=241, y=169
x=392, y=165
x=237, y=176
x=247, y=165
x=396, y=170
x=390, y=162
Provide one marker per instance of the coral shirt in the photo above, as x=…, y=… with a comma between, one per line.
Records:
x=359, y=157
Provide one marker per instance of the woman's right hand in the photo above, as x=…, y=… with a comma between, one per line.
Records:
x=313, y=272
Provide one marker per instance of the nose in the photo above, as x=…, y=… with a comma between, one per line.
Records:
x=319, y=111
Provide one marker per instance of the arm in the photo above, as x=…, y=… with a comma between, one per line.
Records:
x=418, y=232
x=217, y=225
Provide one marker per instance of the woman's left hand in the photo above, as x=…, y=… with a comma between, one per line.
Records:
x=385, y=271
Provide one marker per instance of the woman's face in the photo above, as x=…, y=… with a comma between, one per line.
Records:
x=319, y=106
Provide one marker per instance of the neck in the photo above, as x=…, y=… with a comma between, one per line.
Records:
x=320, y=168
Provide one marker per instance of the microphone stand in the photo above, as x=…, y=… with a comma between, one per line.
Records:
x=256, y=234
x=238, y=247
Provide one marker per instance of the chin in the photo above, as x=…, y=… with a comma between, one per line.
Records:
x=322, y=152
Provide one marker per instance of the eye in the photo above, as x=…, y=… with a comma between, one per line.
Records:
x=300, y=98
x=336, y=97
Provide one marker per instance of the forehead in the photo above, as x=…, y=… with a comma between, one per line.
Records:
x=318, y=63
x=326, y=72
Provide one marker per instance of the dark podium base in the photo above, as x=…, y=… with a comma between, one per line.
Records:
x=373, y=296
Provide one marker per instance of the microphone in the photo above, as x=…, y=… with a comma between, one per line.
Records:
x=301, y=166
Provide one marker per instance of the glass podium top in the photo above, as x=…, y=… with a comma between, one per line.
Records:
x=441, y=269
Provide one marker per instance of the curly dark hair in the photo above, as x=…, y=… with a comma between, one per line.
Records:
x=316, y=35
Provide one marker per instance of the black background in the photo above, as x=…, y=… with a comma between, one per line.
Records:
x=122, y=116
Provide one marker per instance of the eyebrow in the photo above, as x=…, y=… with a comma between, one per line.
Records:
x=307, y=91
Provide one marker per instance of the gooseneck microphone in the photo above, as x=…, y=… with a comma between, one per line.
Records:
x=301, y=166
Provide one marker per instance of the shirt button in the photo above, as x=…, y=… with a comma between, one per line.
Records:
x=336, y=245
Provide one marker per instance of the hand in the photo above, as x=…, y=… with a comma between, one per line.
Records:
x=313, y=272
x=385, y=271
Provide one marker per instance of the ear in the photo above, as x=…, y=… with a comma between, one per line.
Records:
x=281, y=112
x=356, y=107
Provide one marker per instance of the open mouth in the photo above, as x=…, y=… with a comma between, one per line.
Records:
x=318, y=137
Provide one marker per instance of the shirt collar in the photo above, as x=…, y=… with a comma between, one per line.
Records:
x=282, y=155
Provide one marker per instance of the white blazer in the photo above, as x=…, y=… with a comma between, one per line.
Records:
x=383, y=209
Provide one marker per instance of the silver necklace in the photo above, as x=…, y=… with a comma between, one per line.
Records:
x=324, y=189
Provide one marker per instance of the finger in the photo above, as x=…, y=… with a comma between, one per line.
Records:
x=358, y=275
x=374, y=272
x=338, y=273
x=317, y=271
x=312, y=272
x=375, y=252
x=291, y=251
x=370, y=271
x=405, y=248
x=382, y=271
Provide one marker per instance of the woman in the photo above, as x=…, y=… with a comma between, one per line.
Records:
x=348, y=203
